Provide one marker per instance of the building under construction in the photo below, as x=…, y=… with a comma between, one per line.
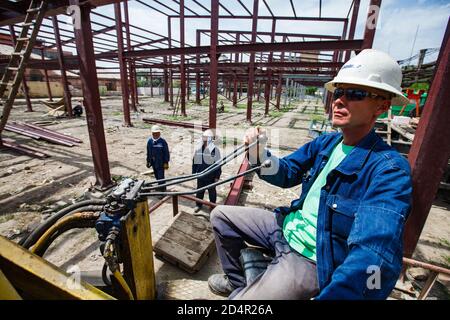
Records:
x=83, y=82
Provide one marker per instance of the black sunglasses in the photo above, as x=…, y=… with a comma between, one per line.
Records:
x=355, y=94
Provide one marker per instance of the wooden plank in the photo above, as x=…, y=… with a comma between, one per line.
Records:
x=187, y=243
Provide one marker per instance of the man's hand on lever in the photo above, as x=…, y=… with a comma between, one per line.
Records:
x=255, y=152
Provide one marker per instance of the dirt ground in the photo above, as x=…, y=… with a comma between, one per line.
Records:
x=31, y=189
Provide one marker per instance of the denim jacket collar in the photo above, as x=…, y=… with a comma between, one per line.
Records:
x=354, y=162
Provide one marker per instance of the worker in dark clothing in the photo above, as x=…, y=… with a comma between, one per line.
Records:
x=158, y=155
x=206, y=155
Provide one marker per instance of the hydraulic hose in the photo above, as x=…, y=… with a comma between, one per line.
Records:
x=203, y=173
x=265, y=164
x=87, y=205
x=188, y=177
x=75, y=220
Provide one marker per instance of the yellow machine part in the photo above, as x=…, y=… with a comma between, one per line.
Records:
x=7, y=291
x=36, y=278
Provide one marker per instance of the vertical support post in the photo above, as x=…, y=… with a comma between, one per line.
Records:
x=344, y=34
x=131, y=80
x=351, y=33
x=166, y=80
x=24, y=81
x=236, y=60
x=67, y=96
x=182, y=71
x=430, y=151
x=151, y=84
x=280, y=80
x=89, y=81
x=213, y=81
x=175, y=205
x=371, y=23
x=251, y=71
x=122, y=66
x=49, y=90
x=268, y=88
x=169, y=40
x=259, y=91
x=240, y=89
x=197, y=74
x=135, y=83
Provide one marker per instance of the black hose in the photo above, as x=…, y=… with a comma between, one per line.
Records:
x=86, y=205
x=74, y=225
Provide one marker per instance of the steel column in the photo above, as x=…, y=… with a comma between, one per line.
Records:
x=169, y=40
x=213, y=81
x=351, y=33
x=430, y=150
x=129, y=64
x=267, y=92
x=89, y=81
x=280, y=80
x=197, y=74
x=151, y=84
x=49, y=91
x=122, y=65
x=251, y=71
x=166, y=82
x=67, y=95
x=236, y=60
x=182, y=71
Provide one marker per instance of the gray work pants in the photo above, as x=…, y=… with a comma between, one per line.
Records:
x=289, y=276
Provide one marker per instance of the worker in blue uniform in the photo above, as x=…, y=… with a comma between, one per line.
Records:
x=158, y=155
x=206, y=154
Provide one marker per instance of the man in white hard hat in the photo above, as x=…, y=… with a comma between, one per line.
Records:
x=158, y=155
x=342, y=238
x=206, y=154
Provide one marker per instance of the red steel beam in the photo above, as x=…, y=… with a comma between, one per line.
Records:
x=176, y=123
x=182, y=70
x=287, y=18
x=49, y=90
x=169, y=35
x=251, y=68
x=248, y=48
x=236, y=187
x=122, y=66
x=131, y=79
x=269, y=80
x=91, y=94
x=351, y=33
x=430, y=149
x=67, y=94
x=266, y=33
x=197, y=74
x=213, y=64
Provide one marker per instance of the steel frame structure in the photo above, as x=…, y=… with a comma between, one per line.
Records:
x=223, y=61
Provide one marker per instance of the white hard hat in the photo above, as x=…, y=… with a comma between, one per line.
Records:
x=372, y=68
x=208, y=133
x=156, y=128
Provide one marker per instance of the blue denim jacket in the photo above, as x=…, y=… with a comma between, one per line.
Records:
x=362, y=211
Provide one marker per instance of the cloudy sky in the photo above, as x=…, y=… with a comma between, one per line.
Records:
x=398, y=24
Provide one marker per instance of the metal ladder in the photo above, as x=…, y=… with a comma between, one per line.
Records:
x=19, y=58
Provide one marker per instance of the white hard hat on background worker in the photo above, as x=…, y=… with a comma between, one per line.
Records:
x=156, y=129
x=375, y=69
